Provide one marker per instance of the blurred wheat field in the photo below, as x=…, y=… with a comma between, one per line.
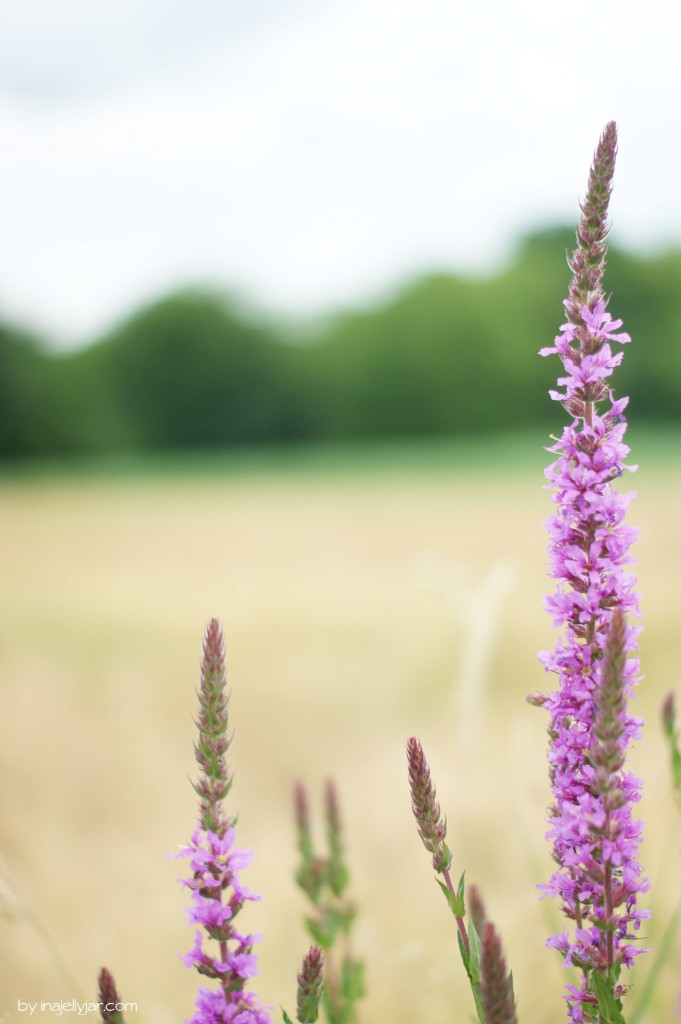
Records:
x=359, y=608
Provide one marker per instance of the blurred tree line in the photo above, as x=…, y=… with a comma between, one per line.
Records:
x=446, y=355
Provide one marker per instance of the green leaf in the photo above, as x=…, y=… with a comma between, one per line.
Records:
x=475, y=951
x=609, y=1007
x=455, y=904
x=338, y=877
x=319, y=934
x=478, y=1003
x=475, y=983
x=464, y=954
x=352, y=980
x=287, y=1019
x=310, y=878
x=676, y=766
x=346, y=915
x=460, y=893
x=336, y=919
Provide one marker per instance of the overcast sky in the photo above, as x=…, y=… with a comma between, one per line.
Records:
x=313, y=153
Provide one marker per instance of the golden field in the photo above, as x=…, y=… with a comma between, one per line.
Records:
x=361, y=606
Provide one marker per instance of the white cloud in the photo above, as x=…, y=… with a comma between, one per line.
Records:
x=310, y=153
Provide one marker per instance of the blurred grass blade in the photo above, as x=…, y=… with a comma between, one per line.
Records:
x=658, y=963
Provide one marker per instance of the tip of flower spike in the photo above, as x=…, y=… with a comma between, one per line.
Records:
x=587, y=262
x=213, y=644
x=337, y=872
x=107, y=986
x=669, y=714
x=213, y=742
x=606, y=154
x=109, y=999
x=476, y=908
x=331, y=802
x=300, y=805
x=310, y=986
x=432, y=827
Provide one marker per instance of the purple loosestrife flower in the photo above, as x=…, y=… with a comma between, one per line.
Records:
x=216, y=892
x=595, y=838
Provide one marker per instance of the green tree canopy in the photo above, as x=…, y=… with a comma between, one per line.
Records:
x=444, y=354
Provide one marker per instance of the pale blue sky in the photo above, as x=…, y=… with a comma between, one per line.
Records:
x=312, y=153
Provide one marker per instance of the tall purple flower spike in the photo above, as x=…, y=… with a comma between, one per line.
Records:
x=217, y=895
x=595, y=839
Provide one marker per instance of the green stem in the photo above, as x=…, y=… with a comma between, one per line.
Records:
x=459, y=920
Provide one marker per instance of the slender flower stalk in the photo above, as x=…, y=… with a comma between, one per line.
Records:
x=324, y=880
x=311, y=874
x=433, y=831
x=302, y=816
x=337, y=873
x=479, y=944
x=595, y=838
x=216, y=892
